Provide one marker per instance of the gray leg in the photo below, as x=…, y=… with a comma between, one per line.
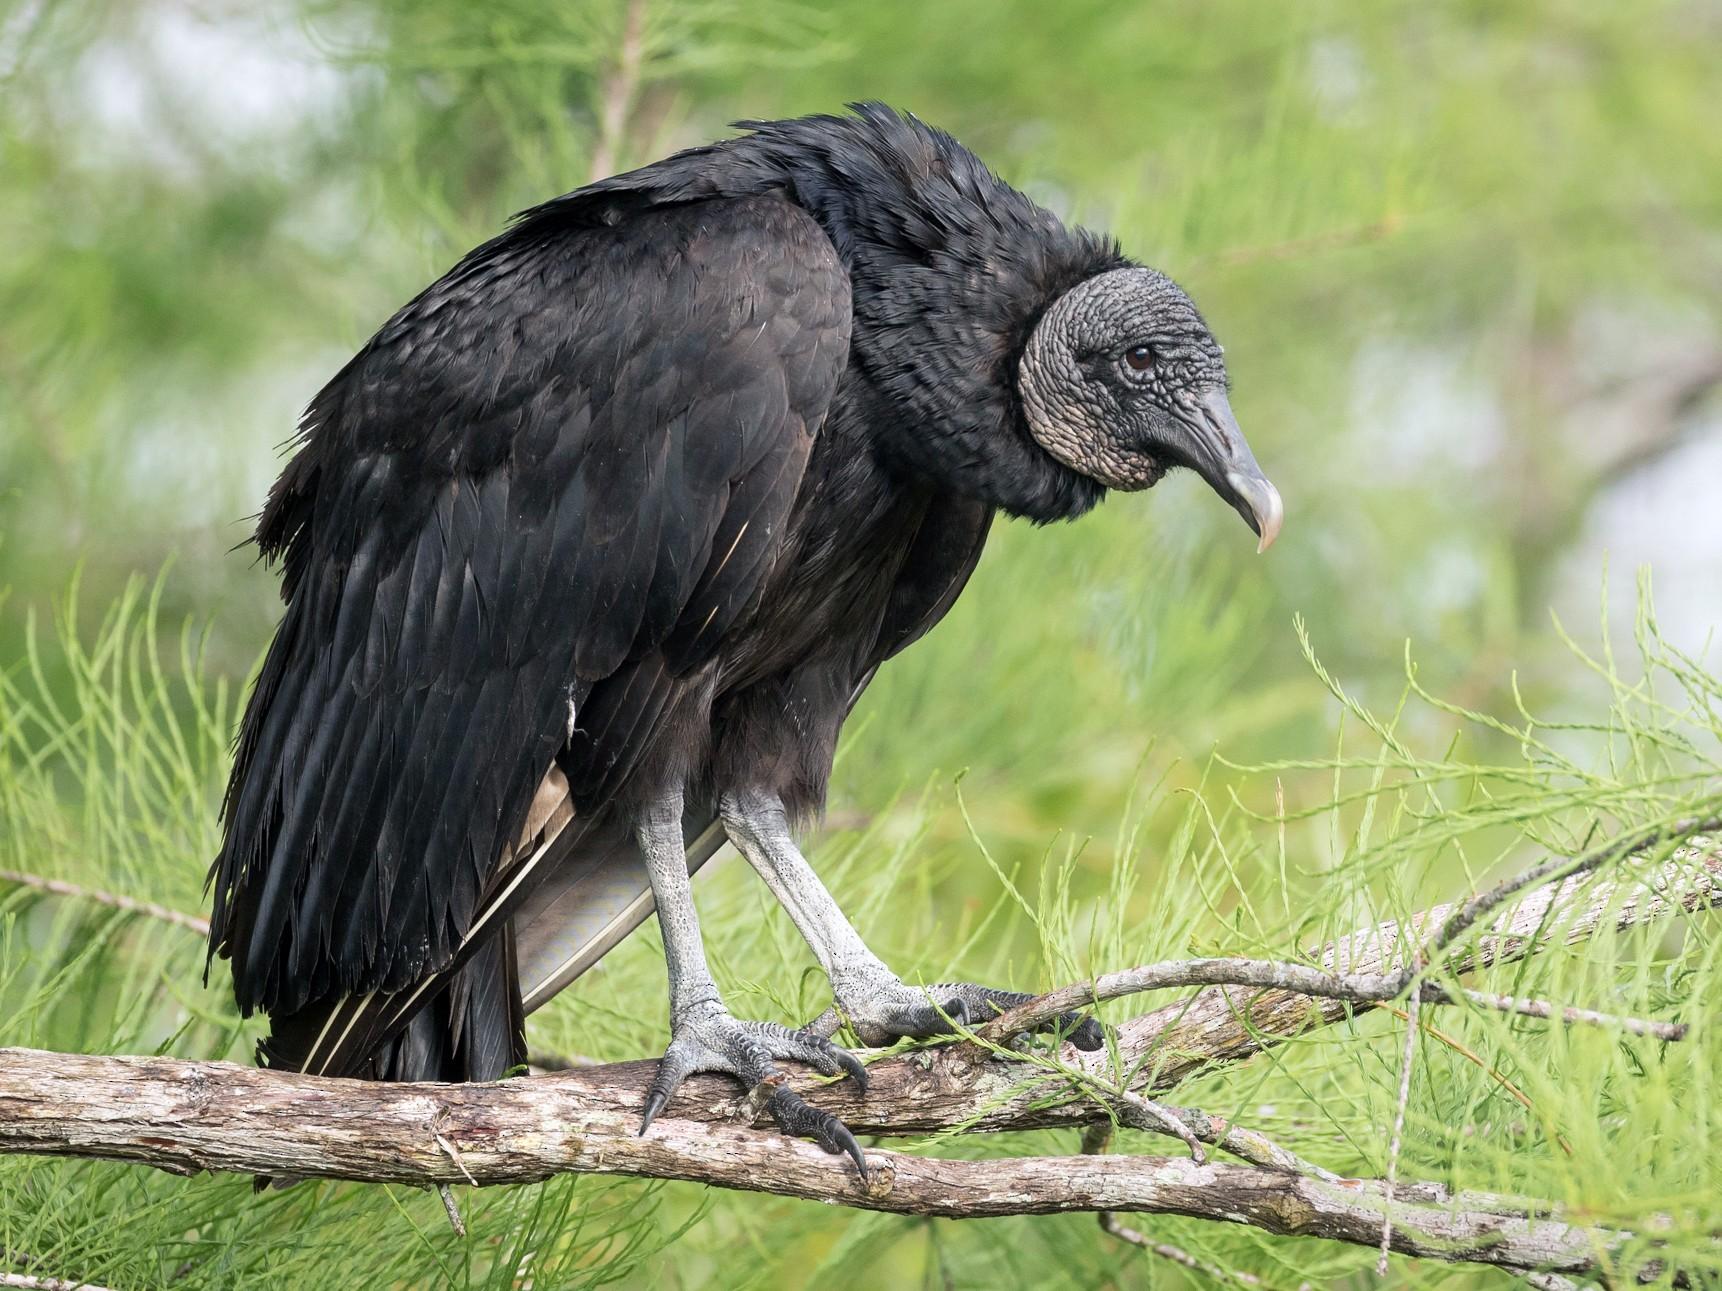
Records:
x=879, y=1006
x=704, y=1036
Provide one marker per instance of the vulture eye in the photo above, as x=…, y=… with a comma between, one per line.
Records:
x=1139, y=358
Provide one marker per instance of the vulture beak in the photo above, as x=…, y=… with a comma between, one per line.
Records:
x=1214, y=447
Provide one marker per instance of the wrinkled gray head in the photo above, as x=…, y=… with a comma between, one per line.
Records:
x=1121, y=381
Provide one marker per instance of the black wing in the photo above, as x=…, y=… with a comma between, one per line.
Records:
x=571, y=455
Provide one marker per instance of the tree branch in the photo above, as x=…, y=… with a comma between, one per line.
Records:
x=188, y=1116
x=1357, y=985
x=33, y=1282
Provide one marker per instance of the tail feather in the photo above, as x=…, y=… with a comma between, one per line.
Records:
x=472, y=1031
x=596, y=897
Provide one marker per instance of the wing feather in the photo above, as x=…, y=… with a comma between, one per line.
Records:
x=553, y=482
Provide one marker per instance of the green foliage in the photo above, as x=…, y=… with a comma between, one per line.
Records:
x=1433, y=236
x=114, y=787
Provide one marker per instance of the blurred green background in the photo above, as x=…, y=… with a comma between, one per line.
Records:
x=1466, y=260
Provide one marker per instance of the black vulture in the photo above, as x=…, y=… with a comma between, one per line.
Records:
x=589, y=551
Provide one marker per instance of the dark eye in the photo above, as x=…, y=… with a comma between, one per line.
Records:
x=1139, y=358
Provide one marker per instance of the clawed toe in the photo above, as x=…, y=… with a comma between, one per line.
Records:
x=794, y=1115
x=1083, y=1030
x=898, y=1012
x=745, y=1049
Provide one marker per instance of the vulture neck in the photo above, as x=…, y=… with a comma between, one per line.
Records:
x=951, y=269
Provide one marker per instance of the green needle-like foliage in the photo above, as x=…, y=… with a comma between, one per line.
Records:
x=113, y=786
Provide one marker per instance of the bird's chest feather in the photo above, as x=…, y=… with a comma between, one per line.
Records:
x=830, y=587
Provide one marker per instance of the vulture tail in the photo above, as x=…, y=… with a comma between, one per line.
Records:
x=474, y=1029
x=467, y=1023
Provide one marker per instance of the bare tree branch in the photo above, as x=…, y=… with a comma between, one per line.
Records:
x=35, y=1282
x=189, y=1116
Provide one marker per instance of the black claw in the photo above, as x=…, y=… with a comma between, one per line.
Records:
x=854, y=1066
x=957, y=1009
x=656, y=1100
x=1083, y=1031
x=795, y=1117
x=846, y=1142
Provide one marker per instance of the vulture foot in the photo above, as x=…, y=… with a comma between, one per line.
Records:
x=890, y=1011
x=713, y=1040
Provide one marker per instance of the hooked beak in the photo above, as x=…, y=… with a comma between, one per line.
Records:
x=1214, y=448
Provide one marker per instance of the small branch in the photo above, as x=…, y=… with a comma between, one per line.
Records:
x=451, y=1208
x=1295, y=979
x=1223, y=1025
x=189, y=1116
x=1449, y=930
x=1566, y=1013
x=1407, y=1060
x=1112, y=1225
x=31, y=1282
x=1145, y=1114
x=1246, y=1144
x=620, y=87
x=131, y=905
x=1356, y=986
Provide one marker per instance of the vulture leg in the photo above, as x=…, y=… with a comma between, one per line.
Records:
x=879, y=1005
x=704, y=1035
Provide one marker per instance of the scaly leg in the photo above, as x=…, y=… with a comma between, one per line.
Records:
x=878, y=1004
x=704, y=1036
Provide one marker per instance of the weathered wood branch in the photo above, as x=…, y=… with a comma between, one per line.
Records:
x=189, y=1116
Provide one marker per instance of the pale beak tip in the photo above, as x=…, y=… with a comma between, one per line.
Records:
x=1264, y=503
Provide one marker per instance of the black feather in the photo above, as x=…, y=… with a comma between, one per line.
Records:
x=645, y=488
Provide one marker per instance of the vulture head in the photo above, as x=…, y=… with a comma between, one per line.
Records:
x=1121, y=381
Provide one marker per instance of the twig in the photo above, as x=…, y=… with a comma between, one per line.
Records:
x=1145, y=1113
x=1296, y=979
x=1194, y=1127
x=31, y=1282
x=1567, y=1013
x=1412, y=1006
x=1449, y=930
x=1111, y=1224
x=131, y=905
x=451, y=1209
x=1246, y=1144
x=1355, y=987
x=1222, y=1025
x=620, y=86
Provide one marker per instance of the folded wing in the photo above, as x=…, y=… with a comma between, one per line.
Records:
x=566, y=463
